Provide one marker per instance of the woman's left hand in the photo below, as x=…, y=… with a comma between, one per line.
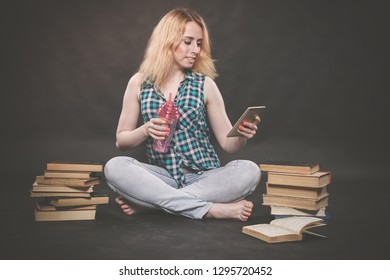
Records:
x=248, y=130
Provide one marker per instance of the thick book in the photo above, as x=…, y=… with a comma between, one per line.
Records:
x=315, y=180
x=295, y=191
x=296, y=202
x=289, y=211
x=69, y=174
x=71, y=182
x=64, y=215
x=60, y=188
x=45, y=206
x=284, y=229
x=77, y=201
x=75, y=166
x=60, y=194
x=297, y=167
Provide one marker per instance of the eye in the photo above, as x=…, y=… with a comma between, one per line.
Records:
x=187, y=42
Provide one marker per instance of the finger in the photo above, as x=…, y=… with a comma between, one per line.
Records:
x=252, y=126
x=159, y=124
x=245, y=135
x=257, y=119
x=158, y=121
x=247, y=130
x=156, y=131
x=158, y=134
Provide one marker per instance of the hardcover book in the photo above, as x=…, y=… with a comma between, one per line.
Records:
x=64, y=215
x=296, y=202
x=315, y=180
x=304, y=192
x=289, y=211
x=69, y=174
x=77, y=201
x=60, y=194
x=75, y=166
x=304, y=168
x=60, y=188
x=45, y=206
x=71, y=182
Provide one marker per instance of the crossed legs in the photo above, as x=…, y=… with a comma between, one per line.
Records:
x=217, y=193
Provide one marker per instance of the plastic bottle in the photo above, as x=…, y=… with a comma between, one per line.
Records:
x=169, y=113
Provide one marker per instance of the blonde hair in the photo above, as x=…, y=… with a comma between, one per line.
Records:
x=167, y=35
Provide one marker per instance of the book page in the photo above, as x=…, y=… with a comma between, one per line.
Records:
x=313, y=233
x=295, y=224
x=271, y=230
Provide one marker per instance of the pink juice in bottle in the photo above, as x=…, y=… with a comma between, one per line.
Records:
x=169, y=113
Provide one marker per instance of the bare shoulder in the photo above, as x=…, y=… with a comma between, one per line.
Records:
x=135, y=81
x=209, y=84
x=134, y=86
x=211, y=91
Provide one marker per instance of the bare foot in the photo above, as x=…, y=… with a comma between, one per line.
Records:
x=127, y=208
x=240, y=210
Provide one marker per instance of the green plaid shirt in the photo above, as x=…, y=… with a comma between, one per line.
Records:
x=190, y=145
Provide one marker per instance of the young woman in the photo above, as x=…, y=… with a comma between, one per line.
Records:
x=187, y=180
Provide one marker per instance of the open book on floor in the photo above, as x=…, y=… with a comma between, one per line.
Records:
x=284, y=229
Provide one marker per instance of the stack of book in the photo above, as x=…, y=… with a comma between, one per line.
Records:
x=296, y=189
x=65, y=191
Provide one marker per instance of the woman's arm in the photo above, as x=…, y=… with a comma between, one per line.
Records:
x=127, y=134
x=220, y=122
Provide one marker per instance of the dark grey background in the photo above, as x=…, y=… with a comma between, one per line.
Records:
x=320, y=67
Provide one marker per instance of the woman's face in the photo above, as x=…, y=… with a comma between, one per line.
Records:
x=188, y=50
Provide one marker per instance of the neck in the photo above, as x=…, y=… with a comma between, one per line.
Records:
x=175, y=75
x=172, y=82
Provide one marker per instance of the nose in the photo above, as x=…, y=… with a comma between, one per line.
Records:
x=195, y=48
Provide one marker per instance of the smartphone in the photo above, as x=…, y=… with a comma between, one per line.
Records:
x=250, y=115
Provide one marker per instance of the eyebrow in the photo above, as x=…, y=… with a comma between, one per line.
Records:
x=192, y=38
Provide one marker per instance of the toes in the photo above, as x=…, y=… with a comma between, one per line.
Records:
x=246, y=214
x=247, y=211
x=128, y=211
x=119, y=200
x=125, y=206
x=249, y=204
x=244, y=218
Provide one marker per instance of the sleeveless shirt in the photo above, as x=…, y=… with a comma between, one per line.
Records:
x=190, y=146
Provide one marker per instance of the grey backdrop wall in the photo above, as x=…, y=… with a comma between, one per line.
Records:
x=320, y=67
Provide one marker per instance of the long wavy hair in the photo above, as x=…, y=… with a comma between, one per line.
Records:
x=158, y=60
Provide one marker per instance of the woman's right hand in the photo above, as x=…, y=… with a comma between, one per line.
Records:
x=157, y=128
